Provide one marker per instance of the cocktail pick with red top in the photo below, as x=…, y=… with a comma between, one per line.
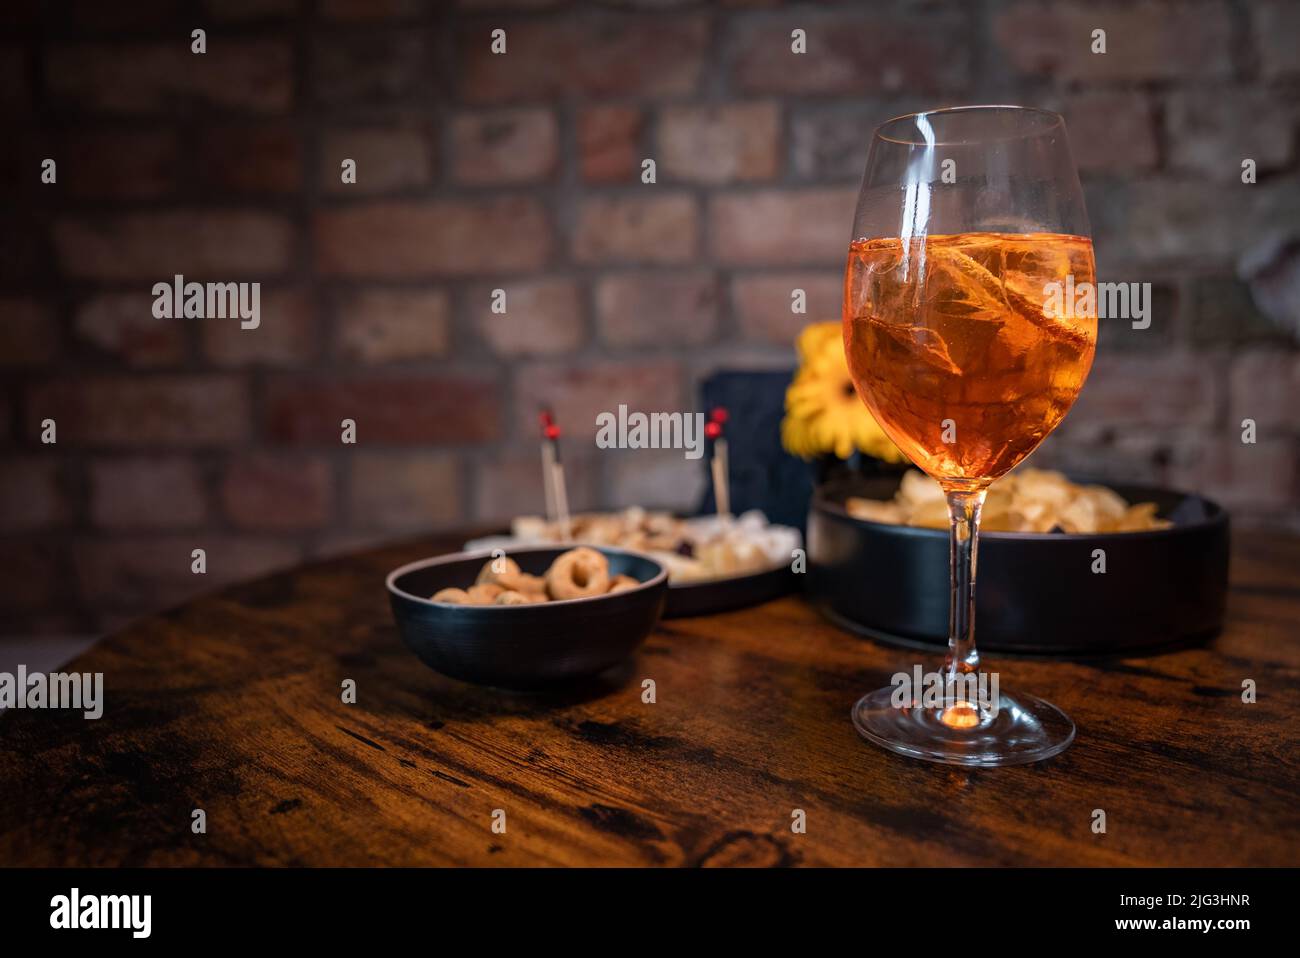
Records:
x=557, y=498
x=718, y=463
x=546, y=421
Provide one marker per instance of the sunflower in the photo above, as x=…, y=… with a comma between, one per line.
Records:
x=823, y=413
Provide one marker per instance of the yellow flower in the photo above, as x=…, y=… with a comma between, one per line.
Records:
x=823, y=413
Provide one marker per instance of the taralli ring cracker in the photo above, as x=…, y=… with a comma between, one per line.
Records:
x=577, y=574
x=496, y=568
x=483, y=593
x=522, y=582
x=510, y=597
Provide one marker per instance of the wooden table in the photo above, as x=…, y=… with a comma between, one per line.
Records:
x=232, y=704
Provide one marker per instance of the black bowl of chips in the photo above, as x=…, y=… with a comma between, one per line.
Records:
x=1048, y=592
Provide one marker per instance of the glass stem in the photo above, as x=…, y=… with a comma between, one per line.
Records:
x=964, y=514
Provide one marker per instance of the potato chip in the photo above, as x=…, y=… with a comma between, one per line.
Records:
x=932, y=514
x=916, y=489
x=1029, y=500
x=873, y=510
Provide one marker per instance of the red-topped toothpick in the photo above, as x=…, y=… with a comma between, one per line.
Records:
x=557, y=499
x=548, y=463
x=718, y=464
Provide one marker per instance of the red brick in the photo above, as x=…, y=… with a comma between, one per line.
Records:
x=29, y=332
x=1265, y=387
x=235, y=74
x=116, y=164
x=600, y=55
x=122, y=326
x=782, y=227
x=723, y=144
x=31, y=493
x=1210, y=132
x=1178, y=390
x=441, y=237
x=118, y=410
x=443, y=408
x=1143, y=41
x=542, y=318
x=358, y=68
x=850, y=53
x=654, y=228
x=147, y=493
x=266, y=158
x=262, y=491
x=578, y=391
x=654, y=479
x=405, y=491
x=703, y=362
x=391, y=325
x=155, y=246
x=388, y=159
x=510, y=484
x=1111, y=132
x=142, y=574
x=609, y=143
x=504, y=146
x=1034, y=38
x=286, y=334
x=762, y=303
x=829, y=141
x=1276, y=27
x=651, y=309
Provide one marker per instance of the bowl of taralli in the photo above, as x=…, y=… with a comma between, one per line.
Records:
x=530, y=617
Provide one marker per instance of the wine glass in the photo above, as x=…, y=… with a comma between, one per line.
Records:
x=968, y=355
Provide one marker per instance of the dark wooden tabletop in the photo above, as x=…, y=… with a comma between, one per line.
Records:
x=232, y=704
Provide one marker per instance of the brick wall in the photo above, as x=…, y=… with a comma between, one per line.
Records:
x=478, y=171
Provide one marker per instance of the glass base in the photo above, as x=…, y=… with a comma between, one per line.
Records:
x=1024, y=729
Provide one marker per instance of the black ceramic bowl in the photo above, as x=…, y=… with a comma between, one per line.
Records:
x=1035, y=593
x=524, y=646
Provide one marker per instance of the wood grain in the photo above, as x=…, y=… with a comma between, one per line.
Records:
x=232, y=704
